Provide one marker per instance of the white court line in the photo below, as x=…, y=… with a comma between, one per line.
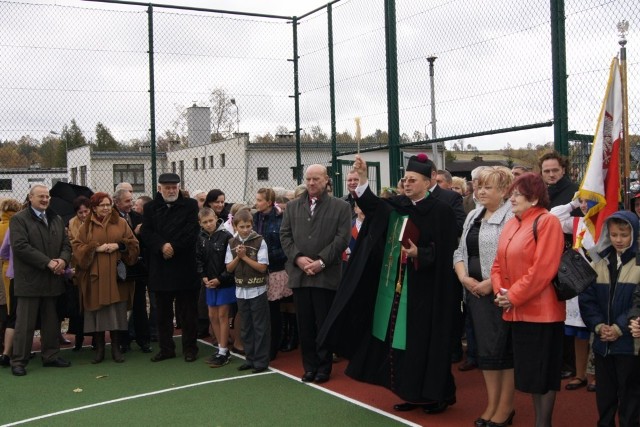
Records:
x=271, y=371
x=136, y=396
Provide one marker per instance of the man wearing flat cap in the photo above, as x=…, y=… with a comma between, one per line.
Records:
x=169, y=230
x=392, y=315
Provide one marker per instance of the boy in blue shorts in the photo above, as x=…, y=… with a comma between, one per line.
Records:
x=220, y=292
x=247, y=258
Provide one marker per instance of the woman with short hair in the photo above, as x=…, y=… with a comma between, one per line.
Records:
x=521, y=276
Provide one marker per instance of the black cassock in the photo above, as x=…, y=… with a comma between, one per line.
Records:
x=422, y=371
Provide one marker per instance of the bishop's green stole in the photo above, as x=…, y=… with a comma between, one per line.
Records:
x=390, y=275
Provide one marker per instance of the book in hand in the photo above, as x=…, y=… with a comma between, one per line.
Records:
x=409, y=231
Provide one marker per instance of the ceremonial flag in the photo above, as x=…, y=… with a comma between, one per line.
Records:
x=601, y=183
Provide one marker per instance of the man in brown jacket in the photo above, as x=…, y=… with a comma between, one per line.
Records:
x=41, y=252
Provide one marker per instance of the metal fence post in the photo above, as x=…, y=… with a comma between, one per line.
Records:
x=296, y=100
x=337, y=169
x=559, y=71
x=393, y=115
x=152, y=104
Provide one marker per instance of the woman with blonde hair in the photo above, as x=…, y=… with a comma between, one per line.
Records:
x=459, y=185
x=102, y=241
x=472, y=263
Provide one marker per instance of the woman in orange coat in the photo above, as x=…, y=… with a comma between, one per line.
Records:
x=102, y=240
x=521, y=277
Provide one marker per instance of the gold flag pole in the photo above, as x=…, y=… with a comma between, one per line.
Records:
x=623, y=28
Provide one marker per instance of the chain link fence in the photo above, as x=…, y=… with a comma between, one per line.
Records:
x=80, y=102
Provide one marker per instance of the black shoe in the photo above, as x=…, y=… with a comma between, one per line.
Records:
x=506, y=423
x=566, y=374
x=245, y=367
x=404, y=407
x=58, y=362
x=321, y=378
x=438, y=407
x=125, y=348
x=308, y=377
x=481, y=422
x=258, y=370
x=161, y=356
x=190, y=357
x=5, y=360
x=18, y=371
x=77, y=347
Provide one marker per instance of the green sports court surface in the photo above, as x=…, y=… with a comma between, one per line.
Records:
x=172, y=392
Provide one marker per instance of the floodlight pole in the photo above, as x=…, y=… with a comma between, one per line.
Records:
x=434, y=145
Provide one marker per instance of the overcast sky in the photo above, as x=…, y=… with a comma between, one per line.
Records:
x=88, y=61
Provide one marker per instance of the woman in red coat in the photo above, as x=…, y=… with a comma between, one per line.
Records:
x=521, y=277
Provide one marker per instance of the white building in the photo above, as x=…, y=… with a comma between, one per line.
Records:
x=16, y=183
x=234, y=165
x=103, y=170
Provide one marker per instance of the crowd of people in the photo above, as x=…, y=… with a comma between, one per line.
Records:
x=378, y=279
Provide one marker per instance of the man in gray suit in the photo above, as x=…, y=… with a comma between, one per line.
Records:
x=41, y=252
x=315, y=231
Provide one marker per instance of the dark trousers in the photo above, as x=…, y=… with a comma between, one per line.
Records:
x=255, y=330
x=618, y=379
x=312, y=306
x=186, y=312
x=139, y=320
x=276, y=327
x=27, y=310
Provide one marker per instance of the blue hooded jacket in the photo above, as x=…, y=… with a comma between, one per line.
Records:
x=609, y=299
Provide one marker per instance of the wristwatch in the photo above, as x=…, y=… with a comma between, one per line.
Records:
x=321, y=263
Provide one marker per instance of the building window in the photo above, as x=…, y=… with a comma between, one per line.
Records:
x=35, y=181
x=202, y=163
x=222, y=160
x=133, y=174
x=181, y=166
x=74, y=175
x=173, y=167
x=296, y=172
x=83, y=175
x=263, y=174
x=210, y=162
x=195, y=164
x=6, y=184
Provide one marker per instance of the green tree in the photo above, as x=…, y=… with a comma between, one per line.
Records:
x=104, y=140
x=71, y=137
x=48, y=151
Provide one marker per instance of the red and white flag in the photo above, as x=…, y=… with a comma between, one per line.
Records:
x=601, y=183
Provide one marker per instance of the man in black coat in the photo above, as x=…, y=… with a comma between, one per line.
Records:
x=139, y=320
x=392, y=315
x=169, y=231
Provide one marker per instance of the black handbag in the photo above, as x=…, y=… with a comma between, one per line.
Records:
x=575, y=273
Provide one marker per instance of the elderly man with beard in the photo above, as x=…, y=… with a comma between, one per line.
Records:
x=169, y=231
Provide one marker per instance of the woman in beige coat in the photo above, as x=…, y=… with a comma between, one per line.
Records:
x=101, y=241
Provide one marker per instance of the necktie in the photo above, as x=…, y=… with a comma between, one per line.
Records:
x=314, y=200
x=43, y=217
x=127, y=218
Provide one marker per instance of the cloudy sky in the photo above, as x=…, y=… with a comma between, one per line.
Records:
x=71, y=59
